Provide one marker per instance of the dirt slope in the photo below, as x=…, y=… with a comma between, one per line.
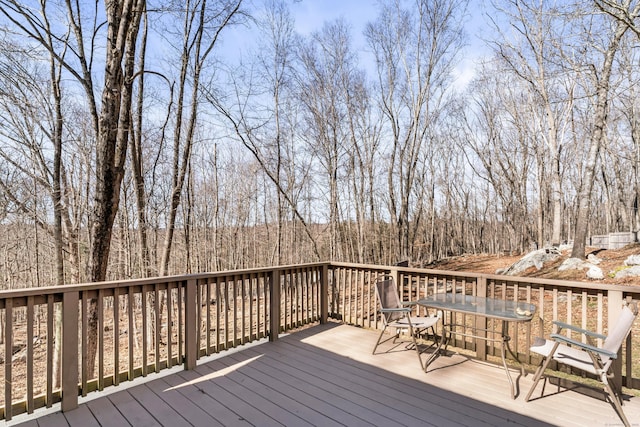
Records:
x=611, y=261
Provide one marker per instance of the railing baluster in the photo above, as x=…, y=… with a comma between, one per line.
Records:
x=29, y=358
x=226, y=311
x=243, y=310
x=101, y=339
x=50, y=333
x=218, y=313
x=169, y=325
x=145, y=331
x=130, y=334
x=8, y=352
x=199, y=308
x=181, y=323
x=158, y=326
x=208, y=317
x=252, y=278
x=84, y=301
x=583, y=320
x=600, y=317
x=116, y=336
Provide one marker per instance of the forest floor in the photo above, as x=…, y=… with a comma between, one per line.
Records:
x=612, y=260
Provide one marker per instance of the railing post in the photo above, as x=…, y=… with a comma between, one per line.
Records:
x=393, y=272
x=274, y=305
x=191, y=324
x=70, y=350
x=324, y=293
x=613, y=313
x=481, y=322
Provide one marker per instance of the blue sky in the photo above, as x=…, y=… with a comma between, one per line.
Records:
x=310, y=16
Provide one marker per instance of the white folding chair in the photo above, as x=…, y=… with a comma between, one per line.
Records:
x=587, y=356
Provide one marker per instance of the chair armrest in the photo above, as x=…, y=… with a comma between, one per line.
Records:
x=396, y=310
x=408, y=303
x=563, y=325
x=584, y=346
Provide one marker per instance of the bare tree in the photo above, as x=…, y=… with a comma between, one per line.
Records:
x=111, y=117
x=253, y=103
x=328, y=80
x=626, y=11
x=600, y=72
x=415, y=50
x=202, y=25
x=530, y=51
x=502, y=144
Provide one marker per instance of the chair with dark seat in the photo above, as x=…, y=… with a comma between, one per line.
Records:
x=397, y=314
x=587, y=357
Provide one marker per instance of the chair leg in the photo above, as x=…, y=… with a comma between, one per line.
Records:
x=543, y=366
x=536, y=379
x=396, y=336
x=415, y=344
x=615, y=400
x=379, y=338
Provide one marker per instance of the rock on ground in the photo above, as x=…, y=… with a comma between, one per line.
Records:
x=632, y=260
x=628, y=272
x=532, y=259
x=593, y=259
x=595, y=272
x=574, y=264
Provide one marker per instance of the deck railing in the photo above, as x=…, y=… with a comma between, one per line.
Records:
x=148, y=325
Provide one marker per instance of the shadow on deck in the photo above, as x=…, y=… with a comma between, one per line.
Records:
x=326, y=375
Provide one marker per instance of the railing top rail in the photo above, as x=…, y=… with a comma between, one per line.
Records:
x=47, y=290
x=565, y=284
x=498, y=277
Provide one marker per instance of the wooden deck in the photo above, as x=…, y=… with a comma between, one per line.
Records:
x=325, y=375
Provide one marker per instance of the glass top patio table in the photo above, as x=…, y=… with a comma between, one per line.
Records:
x=507, y=310
x=491, y=308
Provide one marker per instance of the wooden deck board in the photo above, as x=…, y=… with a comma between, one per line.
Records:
x=172, y=397
x=414, y=397
x=131, y=409
x=220, y=414
x=285, y=394
x=317, y=394
x=220, y=389
x=329, y=399
x=382, y=399
x=53, y=420
x=326, y=375
x=215, y=401
x=81, y=416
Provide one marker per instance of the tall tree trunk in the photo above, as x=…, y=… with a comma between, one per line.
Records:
x=597, y=140
x=114, y=123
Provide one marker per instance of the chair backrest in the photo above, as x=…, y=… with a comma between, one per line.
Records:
x=619, y=332
x=387, y=294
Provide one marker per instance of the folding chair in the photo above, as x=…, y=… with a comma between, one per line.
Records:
x=588, y=357
x=397, y=314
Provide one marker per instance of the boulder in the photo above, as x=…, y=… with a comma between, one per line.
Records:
x=593, y=259
x=633, y=271
x=532, y=259
x=595, y=273
x=574, y=264
x=632, y=260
